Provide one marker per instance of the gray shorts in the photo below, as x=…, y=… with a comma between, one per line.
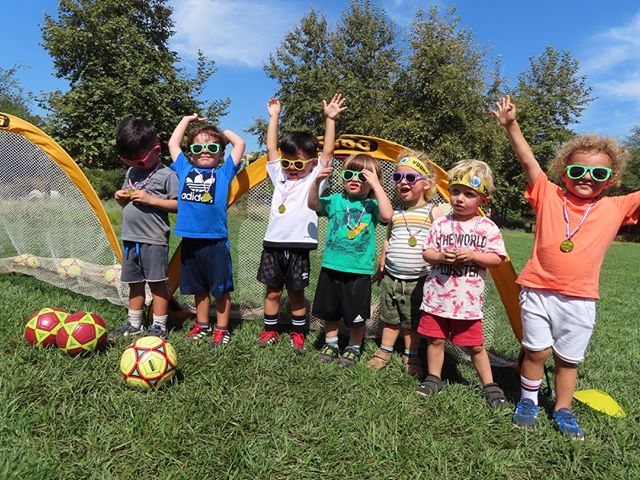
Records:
x=400, y=301
x=144, y=262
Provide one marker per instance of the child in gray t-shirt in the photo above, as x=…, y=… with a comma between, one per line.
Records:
x=148, y=194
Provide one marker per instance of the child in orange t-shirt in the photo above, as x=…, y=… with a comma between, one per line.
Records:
x=574, y=227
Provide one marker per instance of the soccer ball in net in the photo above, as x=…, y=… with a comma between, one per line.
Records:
x=82, y=333
x=42, y=326
x=70, y=267
x=26, y=260
x=112, y=274
x=149, y=362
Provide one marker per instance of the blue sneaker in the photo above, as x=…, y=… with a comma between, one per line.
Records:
x=565, y=422
x=525, y=414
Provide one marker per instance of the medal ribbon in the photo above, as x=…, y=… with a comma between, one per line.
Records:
x=455, y=226
x=364, y=208
x=140, y=185
x=206, y=189
x=424, y=224
x=565, y=213
x=287, y=191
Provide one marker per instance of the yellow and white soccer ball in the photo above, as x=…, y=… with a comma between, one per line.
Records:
x=26, y=260
x=112, y=274
x=149, y=362
x=70, y=267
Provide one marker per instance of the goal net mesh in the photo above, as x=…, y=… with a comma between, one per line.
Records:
x=49, y=231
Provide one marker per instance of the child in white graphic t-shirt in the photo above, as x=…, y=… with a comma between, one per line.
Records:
x=293, y=227
x=460, y=247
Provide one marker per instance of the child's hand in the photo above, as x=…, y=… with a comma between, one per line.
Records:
x=141, y=197
x=324, y=173
x=372, y=178
x=274, y=107
x=506, y=113
x=122, y=196
x=465, y=255
x=194, y=118
x=379, y=275
x=449, y=257
x=335, y=107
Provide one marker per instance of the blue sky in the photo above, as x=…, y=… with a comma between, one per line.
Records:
x=240, y=34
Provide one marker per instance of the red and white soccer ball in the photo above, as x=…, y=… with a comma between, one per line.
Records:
x=82, y=333
x=43, y=325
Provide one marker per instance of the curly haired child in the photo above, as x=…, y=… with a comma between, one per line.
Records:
x=575, y=224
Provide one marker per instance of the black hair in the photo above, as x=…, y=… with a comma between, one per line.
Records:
x=293, y=142
x=135, y=136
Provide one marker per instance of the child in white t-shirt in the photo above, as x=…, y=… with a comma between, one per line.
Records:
x=293, y=227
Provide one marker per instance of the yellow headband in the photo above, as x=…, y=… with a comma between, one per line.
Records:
x=474, y=182
x=415, y=163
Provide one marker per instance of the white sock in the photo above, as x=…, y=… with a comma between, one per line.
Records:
x=160, y=320
x=135, y=317
x=529, y=389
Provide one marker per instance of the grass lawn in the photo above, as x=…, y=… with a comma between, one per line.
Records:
x=243, y=413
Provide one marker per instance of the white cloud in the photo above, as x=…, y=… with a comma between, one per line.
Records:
x=623, y=88
x=236, y=32
x=612, y=61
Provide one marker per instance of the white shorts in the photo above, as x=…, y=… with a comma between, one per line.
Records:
x=550, y=319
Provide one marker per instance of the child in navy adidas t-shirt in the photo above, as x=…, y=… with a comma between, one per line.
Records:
x=204, y=178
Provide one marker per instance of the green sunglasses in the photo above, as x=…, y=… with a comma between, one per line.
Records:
x=198, y=148
x=599, y=174
x=348, y=175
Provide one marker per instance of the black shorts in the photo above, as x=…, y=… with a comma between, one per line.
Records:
x=288, y=267
x=205, y=266
x=341, y=295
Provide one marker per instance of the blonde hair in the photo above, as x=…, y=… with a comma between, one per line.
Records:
x=472, y=168
x=424, y=158
x=361, y=161
x=590, y=144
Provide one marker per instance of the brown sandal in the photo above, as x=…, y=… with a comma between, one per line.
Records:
x=381, y=358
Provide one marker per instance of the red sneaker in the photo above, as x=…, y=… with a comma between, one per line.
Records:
x=297, y=342
x=267, y=338
x=220, y=337
x=198, y=332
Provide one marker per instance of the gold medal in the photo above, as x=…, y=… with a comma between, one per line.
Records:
x=130, y=191
x=282, y=208
x=206, y=198
x=412, y=241
x=566, y=246
x=351, y=234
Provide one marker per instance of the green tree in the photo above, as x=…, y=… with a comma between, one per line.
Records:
x=365, y=64
x=441, y=104
x=13, y=99
x=358, y=58
x=550, y=96
x=300, y=66
x=115, y=55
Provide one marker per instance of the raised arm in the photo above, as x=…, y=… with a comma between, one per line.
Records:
x=273, y=107
x=331, y=111
x=506, y=116
x=175, y=142
x=385, y=209
x=313, y=199
x=238, y=146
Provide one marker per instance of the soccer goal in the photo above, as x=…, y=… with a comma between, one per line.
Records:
x=54, y=227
